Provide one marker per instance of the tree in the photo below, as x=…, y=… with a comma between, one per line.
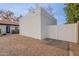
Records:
x=50, y=9
x=9, y=15
x=17, y=19
x=37, y=5
x=31, y=9
x=72, y=12
x=6, y=14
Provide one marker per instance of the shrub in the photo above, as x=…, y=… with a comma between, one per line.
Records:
x=16, y=31
x=4, y=34
x=0, y=31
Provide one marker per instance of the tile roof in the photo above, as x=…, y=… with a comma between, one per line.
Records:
x=8, y=22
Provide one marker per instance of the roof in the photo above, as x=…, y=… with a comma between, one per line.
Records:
x=8, y=22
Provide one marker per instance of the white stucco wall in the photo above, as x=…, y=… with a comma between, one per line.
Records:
x=35, y=24
x=66, y=32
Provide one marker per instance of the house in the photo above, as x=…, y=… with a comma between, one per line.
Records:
x=7, y=25
x=35, y=23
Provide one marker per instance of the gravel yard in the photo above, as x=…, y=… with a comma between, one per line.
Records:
x=17, y=45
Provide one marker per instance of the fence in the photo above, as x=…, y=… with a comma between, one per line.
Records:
x=67, y=32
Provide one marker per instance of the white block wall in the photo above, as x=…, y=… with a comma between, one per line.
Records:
x=30, y=25
x=46, y=20
x=66, y=32
x=52, y=32
x=35, y=24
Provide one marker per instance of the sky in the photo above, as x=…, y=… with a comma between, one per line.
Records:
x=22, y=9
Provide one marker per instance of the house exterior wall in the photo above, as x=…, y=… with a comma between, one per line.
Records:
x=3, y=29
x=12, y=28
x=35, y=24
x=67, y=32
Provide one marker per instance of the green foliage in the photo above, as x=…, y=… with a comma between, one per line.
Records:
x=72, y=12
x=16, y=31
x=0, y=31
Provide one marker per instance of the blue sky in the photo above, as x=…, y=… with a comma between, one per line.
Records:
x=22, y=9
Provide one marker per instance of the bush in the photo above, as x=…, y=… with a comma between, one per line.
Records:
x=0, y=31
x=4, y=34
x=16, y=31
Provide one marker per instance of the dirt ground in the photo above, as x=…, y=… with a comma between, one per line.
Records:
x=17, y=45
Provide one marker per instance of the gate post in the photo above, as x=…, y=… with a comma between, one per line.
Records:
x=78, y=31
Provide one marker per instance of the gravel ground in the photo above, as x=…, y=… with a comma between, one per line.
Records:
x=17, y=45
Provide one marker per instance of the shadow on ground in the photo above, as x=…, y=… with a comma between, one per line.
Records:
x=67, y=46
x=57, y=43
